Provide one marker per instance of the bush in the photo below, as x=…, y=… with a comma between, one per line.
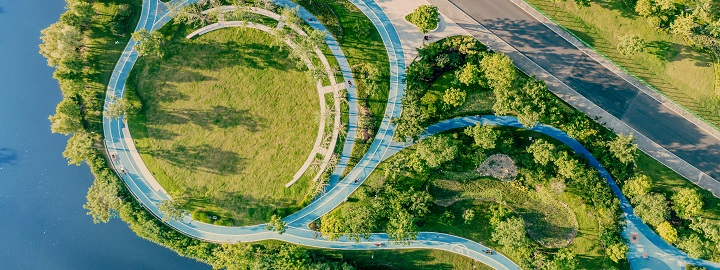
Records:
x=425, y=18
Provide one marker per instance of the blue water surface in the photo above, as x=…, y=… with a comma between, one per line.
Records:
x=42, y=222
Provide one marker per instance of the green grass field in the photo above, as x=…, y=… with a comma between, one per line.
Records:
x=668, y=63
x=227, y=122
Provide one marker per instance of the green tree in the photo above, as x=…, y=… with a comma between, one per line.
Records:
x=190, y=15
x=630, y=45
x=499, y=70
x=410, y=124
x=332, y=226
x=485, y=136
x=688, y=203
x=645, y=8
x=116, y=107
x=401, y=228
x=564, y=259
x=543, y=152
x=667, y=232
x=148, y=43
x=684, y=25
x=60, y=42
x=67, y=118
x=469, y=75
x=510, y=233
x=454, y=97
x=78, y=148
x=103, y=201
x=289, y=16
x=424, y=17
x=694, y=246
x=617, y=251
x=652, y=208
x=172, y=210
x=568, y=167
x=437, y=150
x=276, y=225
x=637, y=186
x=624, y=149
x=468, y=215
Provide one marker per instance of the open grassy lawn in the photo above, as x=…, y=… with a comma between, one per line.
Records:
x=227, y=120
x=668, y=63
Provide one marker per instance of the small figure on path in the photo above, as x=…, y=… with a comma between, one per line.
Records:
x=378, y=245
x=426, y=38
x=355, y=181
x=114, y=158
x=122, y=169
x=349, y=83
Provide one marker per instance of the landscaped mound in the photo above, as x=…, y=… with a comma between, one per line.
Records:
x=228, y=120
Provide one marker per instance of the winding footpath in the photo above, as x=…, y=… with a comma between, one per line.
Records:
x=149, y=193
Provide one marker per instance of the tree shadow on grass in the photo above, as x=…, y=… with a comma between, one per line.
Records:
x=214, y=55
x=243, y=208
x=216, y=117
x=204, y=158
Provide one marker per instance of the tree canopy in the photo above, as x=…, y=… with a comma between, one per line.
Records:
x=425, y=18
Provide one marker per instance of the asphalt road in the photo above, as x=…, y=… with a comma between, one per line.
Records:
x=595, y=82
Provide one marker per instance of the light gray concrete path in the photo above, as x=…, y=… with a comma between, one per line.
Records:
x=672, y=138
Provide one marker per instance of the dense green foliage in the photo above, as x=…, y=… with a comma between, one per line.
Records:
x=424, y=17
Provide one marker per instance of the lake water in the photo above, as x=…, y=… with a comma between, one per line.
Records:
x=42, y=221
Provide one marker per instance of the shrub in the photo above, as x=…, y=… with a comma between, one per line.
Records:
x=425, y=18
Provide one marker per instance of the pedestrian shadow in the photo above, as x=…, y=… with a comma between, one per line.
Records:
x=8, y=156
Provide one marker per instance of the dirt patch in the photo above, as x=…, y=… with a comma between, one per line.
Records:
x=499, y=166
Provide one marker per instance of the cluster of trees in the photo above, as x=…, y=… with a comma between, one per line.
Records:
x=676, y=219
x=530, y=100
x=424, y=17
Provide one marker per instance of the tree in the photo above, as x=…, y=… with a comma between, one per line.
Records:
x=60, y=42
x=331, y=226
x=485, y=136
x=652, y=208
x=694, y=246
x=667, y=232
x=469, y=75
x=103, y=201
x=468, y=215
x=567, y=166
x=189, y=15
x=543, y=152
x=289, y=16
x=148, y=43
x=617, y=251
x=688, y=203
x=359, y=222
x=684, y=25
x=437, y=150
x=499, y=70
x=116, y=107
x=645, y=8
x=510, y=233
x=564, y=259
x=454, y=97
x=81, y=11
x=410, y=123
x=67, y=118
x=714, y=28
x=401, y=228
x=637, y=186
x=424, y=17
x=79, y=148
x=172, y=210
x=624, y=149
x=630, y=45
x=276, y=225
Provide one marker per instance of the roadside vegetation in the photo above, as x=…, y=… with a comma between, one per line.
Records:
x=425, y=18
x=672, y=45
x=434, y=186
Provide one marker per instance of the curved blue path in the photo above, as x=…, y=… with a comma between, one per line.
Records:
x=659, y=252
x=153, y=16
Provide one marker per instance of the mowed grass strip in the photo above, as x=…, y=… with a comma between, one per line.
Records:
x=668, y=63
x=227, y=122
